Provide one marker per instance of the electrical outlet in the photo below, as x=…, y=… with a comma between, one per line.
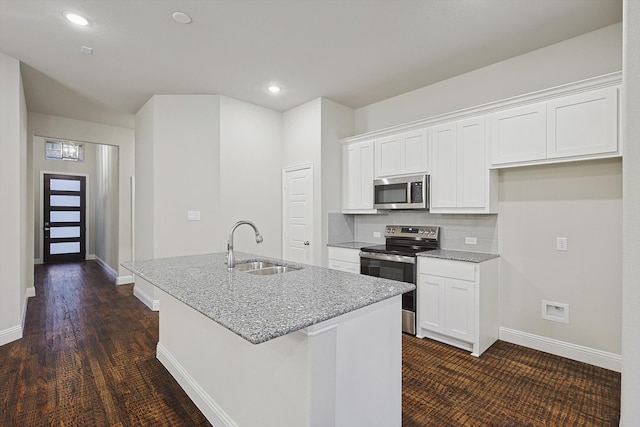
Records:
x=471, y=240
x=376, y=234
x=562, y=244
x=193, y=216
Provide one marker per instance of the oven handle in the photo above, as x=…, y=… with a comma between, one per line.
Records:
x=388, y=257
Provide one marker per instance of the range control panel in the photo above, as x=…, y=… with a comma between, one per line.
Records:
x=410, y=231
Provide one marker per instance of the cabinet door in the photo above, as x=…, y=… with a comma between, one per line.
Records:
x=389, y=155
x=415, y=152
x=366, y=175
x=443, y=174
x=583, y=124
x=358, y=176
x=519, y=134
x=431, y=303
x=459, y=309
x=472, y=166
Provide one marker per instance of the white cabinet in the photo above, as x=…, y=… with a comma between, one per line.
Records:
x=458, y=302
x=357, y=177
x=583, y=124
x=461, y=181
x=519, y=134
x=402, y=154
x=344, y=259
x=571, y=127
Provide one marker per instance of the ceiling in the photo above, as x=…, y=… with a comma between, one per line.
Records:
x=354, y=52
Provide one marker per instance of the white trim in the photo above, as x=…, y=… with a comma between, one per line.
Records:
x=90, y=257
x=125, y=280
x=153, y=304
x=37, y=261
x=209, y=407
x=31, y=292
x=598, y=82
x=87, y=210
x=11, y=334
x=106, y=267
x=580, y=353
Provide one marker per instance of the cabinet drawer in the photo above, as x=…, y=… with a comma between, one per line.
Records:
x=344, y=254
x=349, y=267
x=447, y=268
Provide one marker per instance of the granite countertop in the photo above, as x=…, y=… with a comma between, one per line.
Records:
x=260, y=308
x=352, y=245
x=459, y=255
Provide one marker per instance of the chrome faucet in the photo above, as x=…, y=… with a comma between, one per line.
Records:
x=231, y=259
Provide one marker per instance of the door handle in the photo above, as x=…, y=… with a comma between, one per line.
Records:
x=46, y=229
x=306, y=243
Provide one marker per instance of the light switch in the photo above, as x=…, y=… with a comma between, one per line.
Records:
x=561, y=244
x=471, y=240
x=193, y=216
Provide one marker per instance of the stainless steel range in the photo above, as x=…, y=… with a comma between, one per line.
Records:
x=396, y=260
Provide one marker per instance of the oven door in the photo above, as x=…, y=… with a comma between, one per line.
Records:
x=394, y=267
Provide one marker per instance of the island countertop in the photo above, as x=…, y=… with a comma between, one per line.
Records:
x=260, y=308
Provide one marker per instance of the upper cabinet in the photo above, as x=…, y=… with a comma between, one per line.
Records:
x=583, y=124
x=564, y=128
x=357, y=177
x=402, y=154
x=519, y=134
x=461, y=181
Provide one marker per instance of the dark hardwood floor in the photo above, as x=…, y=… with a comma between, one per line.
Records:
x=88, y=359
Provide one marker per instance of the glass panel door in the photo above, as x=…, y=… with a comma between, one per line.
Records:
x=64, y=218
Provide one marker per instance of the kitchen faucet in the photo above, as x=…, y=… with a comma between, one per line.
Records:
x=231, y=259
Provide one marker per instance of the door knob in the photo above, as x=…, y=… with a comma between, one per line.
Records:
x=46, y=229
x=306, y=243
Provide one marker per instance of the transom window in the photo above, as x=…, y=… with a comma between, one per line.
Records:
x=64, y=150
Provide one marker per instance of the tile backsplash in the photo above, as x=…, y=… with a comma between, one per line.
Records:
x=453, y=228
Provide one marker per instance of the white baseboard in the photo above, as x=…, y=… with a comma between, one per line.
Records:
x=124, y=280
x=37, y=261
x=31, y=292
x=90, y=257
x=211, y=410
x=153, y=304
x=11, y=334
x=106, y=267
x=580, y=353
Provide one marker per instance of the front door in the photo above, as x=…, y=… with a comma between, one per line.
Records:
x=64, y=218
x=298, y=214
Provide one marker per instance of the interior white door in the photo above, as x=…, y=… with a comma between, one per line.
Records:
x=298, y=214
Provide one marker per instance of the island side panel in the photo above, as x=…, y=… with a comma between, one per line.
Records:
x=234, y=382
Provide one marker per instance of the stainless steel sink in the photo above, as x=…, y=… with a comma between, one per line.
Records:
x=253, y=265
x=263, y=268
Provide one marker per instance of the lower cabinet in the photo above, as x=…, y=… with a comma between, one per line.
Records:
x=458, y=302
x=344, y=259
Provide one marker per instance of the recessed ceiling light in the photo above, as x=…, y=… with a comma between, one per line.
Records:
x=181, y=18
x=76, y=19
x=273, y=89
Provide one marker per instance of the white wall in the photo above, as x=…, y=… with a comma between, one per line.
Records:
x=311, y=134
x=588, y=55
x=582, y=202
x=301, y=144
x=41, y=164
x=250, y=176
x=106, y=205
x=144, y=240
x=630, y=410
x=123, y=138
x=16, y=275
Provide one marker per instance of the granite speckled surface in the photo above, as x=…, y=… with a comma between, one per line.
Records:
x=459, y=255
x=352, y=245
x=260, y=308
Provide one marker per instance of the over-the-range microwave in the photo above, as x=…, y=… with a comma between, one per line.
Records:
x=405, y=192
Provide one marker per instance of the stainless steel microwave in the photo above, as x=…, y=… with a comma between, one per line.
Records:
x=405, y=192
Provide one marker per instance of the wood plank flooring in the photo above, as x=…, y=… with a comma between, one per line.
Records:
x=88, y=359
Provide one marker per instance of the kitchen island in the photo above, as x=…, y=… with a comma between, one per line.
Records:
x=309, y=347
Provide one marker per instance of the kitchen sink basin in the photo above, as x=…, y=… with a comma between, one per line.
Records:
x=263, y=268
x=253, y=265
